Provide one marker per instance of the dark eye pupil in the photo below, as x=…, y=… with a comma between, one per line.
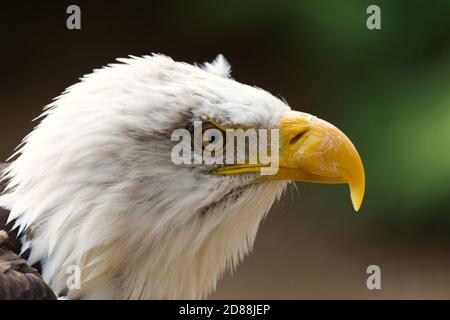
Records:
x=212, y=139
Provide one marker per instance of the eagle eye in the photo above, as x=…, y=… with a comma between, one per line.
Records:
x=213, y=135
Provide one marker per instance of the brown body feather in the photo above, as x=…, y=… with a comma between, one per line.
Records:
x=18, y=280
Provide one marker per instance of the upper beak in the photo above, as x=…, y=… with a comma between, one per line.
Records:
x=313, y=150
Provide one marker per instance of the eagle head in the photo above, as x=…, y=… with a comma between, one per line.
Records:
x=95, y=186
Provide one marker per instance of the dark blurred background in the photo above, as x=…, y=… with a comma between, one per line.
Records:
x=388, y=89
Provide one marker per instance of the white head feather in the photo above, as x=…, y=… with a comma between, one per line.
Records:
x=93, y=184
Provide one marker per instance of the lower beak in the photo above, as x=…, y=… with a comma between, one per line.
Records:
x=313, y=150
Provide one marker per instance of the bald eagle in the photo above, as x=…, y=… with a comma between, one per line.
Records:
x=93, y=185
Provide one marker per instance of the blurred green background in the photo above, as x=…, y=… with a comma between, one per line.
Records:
x=388, y=90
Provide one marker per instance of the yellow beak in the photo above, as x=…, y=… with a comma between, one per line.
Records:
x=314, y=150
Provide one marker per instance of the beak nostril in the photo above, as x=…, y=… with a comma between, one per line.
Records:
x=297, y=137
